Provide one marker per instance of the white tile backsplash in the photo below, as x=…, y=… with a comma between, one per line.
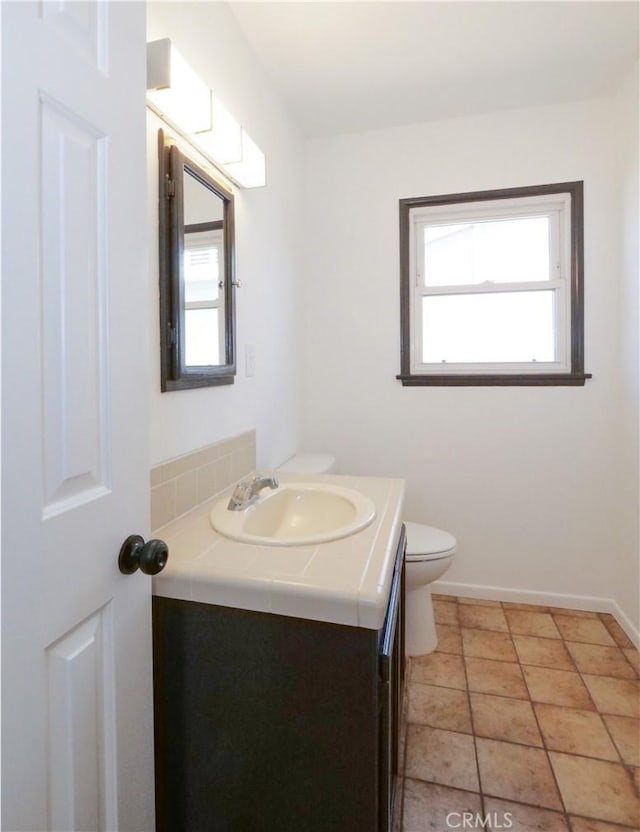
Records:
x=180, y=484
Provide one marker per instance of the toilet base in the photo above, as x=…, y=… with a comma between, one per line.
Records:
x=420, y=625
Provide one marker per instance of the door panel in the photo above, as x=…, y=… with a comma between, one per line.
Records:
x=82, y=724
x=76, y=634
x=74, y=328
x=83, y=24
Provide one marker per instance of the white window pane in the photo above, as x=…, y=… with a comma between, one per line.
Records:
x=201, y=337
x=491, y=327
x=496, y=251
x=201, y=272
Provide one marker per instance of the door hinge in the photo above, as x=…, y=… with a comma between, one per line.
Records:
x=172, y=334
x=169, y=187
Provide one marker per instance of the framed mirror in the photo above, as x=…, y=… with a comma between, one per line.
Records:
x=197, y=274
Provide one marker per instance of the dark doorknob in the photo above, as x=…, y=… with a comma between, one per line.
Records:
x=150, y=557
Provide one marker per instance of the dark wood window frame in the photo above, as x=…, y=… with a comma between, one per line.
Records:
x=576, y=376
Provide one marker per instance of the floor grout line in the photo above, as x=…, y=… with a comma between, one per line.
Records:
x=542, y=737
x=565, y=815
x=597, y=711
x=543, y=747
x=550, y=639
x=464, y=656
x=528, y=698
x=473, y=732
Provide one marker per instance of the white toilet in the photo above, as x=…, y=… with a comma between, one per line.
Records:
x=429, y=555
x=311, y=464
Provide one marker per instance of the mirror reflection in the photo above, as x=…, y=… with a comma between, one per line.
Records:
x=197, y=282
x=203, y=270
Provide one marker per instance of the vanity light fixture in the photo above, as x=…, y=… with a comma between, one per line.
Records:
x=181, y=99
x=250, y=170
x=175, y=89
x=224, y=141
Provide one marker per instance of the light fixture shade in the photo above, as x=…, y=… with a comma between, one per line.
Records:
x=185, y=102
x=175, y=89
x=224, y=141
x=251, y=171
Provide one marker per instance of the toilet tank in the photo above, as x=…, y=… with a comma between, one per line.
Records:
x=310, y=464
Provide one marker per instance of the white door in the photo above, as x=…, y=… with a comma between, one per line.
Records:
x=76, y=634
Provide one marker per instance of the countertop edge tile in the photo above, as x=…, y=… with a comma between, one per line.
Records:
x=355, y=595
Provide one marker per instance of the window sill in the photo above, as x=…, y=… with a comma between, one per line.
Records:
x=514, y=380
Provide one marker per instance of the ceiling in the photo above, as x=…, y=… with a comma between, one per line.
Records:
x=348, y=66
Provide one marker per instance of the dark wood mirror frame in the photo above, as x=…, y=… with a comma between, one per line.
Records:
x=175, y=374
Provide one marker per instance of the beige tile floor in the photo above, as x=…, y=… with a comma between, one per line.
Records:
x=531, y=711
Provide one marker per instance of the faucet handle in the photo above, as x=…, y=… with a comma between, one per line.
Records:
x=264, y=481
x=243, y=487
x=247, y=491
x=241, y=495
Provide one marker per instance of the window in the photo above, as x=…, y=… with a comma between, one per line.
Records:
x=203, y=294
x=492, y=287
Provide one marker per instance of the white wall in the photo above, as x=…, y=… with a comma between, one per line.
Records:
x=267, y=239
x=528, y=479
x=627, y=576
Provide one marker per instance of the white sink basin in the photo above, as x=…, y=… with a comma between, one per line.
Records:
x=296, y=514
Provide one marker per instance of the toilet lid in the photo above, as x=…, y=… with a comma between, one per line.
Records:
x=427, y=542
x=310, y=464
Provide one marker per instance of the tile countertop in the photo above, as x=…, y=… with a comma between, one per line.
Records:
x=344, y=581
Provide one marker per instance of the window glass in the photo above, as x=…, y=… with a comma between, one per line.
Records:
x=201, y=337
x=469, y=253
x=201, y=268
x=491, y=327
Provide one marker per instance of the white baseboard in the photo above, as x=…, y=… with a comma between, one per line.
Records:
x=625, y=622
x=544, y=599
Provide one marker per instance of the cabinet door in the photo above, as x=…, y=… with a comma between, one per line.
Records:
x=264, y=723
x=391, y=678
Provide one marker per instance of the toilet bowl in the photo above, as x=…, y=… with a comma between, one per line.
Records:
x=428, y=556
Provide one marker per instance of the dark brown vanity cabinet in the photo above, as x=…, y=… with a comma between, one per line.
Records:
x=265, y=723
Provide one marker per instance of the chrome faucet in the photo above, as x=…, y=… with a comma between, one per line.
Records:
x=247, y=492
